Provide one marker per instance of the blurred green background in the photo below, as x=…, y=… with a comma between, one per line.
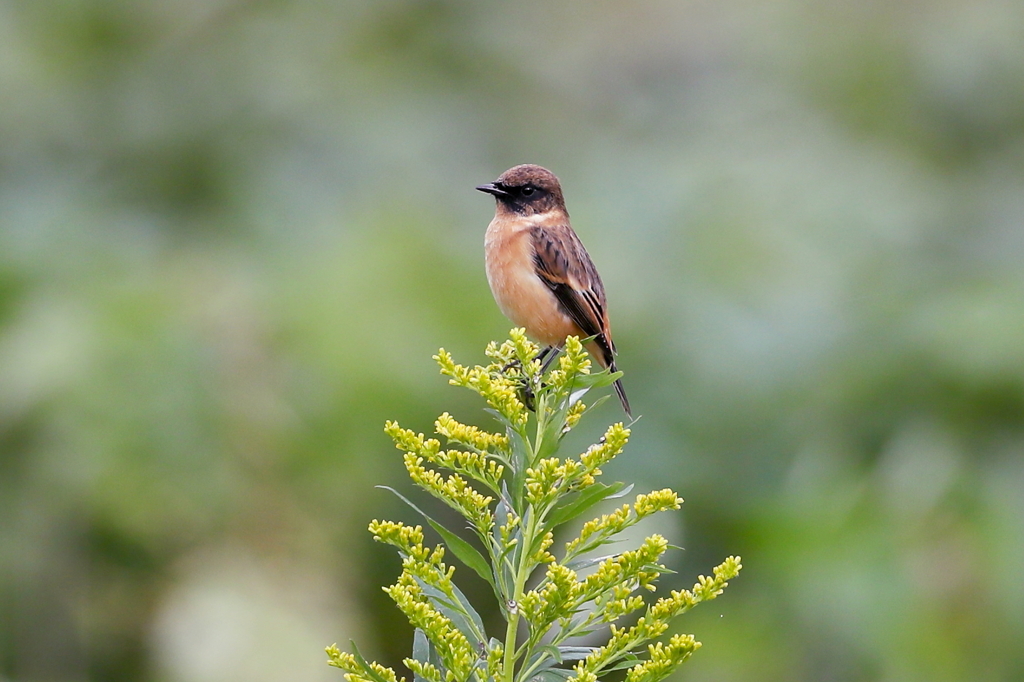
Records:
x=233, y=232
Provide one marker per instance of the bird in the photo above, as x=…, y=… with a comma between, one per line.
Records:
x=540, y=274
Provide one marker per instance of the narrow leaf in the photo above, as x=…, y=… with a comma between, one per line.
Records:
x=598, y=403
x=552, y=651
x=627, y=661
x=575, y=653
x=581, y=503
x=464, y=551
x=499, y=416
x=471, y=612
x=459, y=611
x=520, y=457
x=595, y=380
x=548, y=656
x=500, y=516
x=370, y=672
x=577, y=395
x=420, y=646
x=420, y=651
x=552, y=436
x=580, y=564
x=553, y=675
x=622, y=493
x=455, y=614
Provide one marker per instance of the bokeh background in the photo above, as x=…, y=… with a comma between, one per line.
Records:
x=232, y=233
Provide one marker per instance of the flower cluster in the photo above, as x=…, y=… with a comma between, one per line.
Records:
x=452, y=646
x=499, y=390
x=605, y=450
x=597, y=531
x=515, y=491
x=656, y=620
x=481, y=462
x=408, y=539
x=663, y=659
x=478, y=439
x=573, y=362
x=356, y=671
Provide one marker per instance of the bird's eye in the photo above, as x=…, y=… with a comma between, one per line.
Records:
x=527, y=190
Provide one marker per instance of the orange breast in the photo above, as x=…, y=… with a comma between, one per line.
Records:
x=519, y=292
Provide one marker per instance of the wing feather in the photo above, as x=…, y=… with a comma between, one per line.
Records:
x=564, y=265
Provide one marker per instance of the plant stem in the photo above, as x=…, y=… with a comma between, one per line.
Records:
x=522, y=573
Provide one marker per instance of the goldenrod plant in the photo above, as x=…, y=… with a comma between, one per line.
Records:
x=516, y=493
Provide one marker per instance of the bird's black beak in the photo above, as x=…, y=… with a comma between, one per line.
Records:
x=493, y=188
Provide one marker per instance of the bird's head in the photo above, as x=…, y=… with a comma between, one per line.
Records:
x=526, y=190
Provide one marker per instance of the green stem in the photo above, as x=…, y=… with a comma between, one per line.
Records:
x=542, y=426
x=525, y=674
x=522, y=573
x=526, y=550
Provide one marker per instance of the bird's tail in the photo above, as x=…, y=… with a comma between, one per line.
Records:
x=601, y=350
x=620, y=391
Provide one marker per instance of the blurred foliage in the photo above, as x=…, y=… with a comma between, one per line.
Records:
x=230, y=232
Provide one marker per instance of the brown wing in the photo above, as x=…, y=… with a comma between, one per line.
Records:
x=565, y=267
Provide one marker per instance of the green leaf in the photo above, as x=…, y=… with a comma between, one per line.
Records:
x=465, y=552
x=549, y=654
x=661, y=570
x=421, y=651
x=580, y=564
x=596, y=380
x=501, y=511
x=628, y=660
x=420, y=646
x=520, y=450
x=370, y=672
x=622, y=493
x=598, y=403
x=581, y=503
x=553, y=675
x=577, y=395
x=502, y=570
x=575, y=653
x=460, y=612
x=552, y=652
x=499, y=416
x=551, y=438
x=582, y=384
x=471, y=612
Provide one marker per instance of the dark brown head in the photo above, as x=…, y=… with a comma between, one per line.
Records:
x=526, y=190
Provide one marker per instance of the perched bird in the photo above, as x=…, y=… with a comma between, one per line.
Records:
x=539, y=272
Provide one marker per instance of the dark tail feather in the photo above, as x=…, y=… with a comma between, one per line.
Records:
x=607, y=359
x=621, y=392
